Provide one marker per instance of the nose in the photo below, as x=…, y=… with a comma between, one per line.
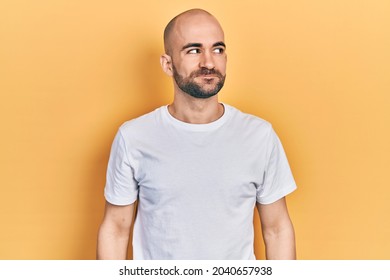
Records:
x=207, y=61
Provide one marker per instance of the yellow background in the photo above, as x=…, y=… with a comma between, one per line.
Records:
x=72, y=71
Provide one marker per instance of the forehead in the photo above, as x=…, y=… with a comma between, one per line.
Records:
x=203, y=29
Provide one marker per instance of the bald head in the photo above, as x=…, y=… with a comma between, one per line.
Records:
x=185, y=19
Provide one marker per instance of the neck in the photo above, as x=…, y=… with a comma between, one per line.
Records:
x=195, y=110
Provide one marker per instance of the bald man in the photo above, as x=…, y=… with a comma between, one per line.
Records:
x=197, y=167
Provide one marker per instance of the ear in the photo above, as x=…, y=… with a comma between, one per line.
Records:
x=166, y=64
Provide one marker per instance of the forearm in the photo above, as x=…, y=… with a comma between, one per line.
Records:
x=112, y=243
x=280, y=243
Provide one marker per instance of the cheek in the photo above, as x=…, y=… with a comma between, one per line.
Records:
x=187, y=70
x=187, y=64
x=222, y=65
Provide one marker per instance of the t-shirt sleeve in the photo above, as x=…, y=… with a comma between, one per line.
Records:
x=121, y=187
x=278, y=180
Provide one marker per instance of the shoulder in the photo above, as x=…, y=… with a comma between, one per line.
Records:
x=248, y=121
x=141, y=124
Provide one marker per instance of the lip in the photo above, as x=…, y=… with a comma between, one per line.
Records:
x=208, y=76
x=208, y=79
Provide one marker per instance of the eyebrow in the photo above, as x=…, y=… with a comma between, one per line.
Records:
x=219, y=44
x=191, y=45
x=199, y=45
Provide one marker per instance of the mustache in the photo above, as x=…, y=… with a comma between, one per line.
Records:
x=206, y=71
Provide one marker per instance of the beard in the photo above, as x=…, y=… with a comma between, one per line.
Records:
x=189, y=86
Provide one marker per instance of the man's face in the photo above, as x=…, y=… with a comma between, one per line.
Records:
x=198, y=56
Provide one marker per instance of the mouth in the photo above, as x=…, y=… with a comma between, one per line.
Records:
x=208, y=76
x=207, y=79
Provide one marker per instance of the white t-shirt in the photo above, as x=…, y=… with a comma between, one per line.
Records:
x=196, y=184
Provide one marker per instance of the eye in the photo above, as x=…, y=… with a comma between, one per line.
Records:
x=219, y=50
x=193, y=51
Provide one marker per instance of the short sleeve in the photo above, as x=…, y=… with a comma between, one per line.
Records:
x=278, y=180
x=121, y=187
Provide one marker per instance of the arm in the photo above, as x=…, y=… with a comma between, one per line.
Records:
x=113, y=236
x=278, y=231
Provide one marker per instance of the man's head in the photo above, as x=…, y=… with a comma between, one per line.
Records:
x=195, y=53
